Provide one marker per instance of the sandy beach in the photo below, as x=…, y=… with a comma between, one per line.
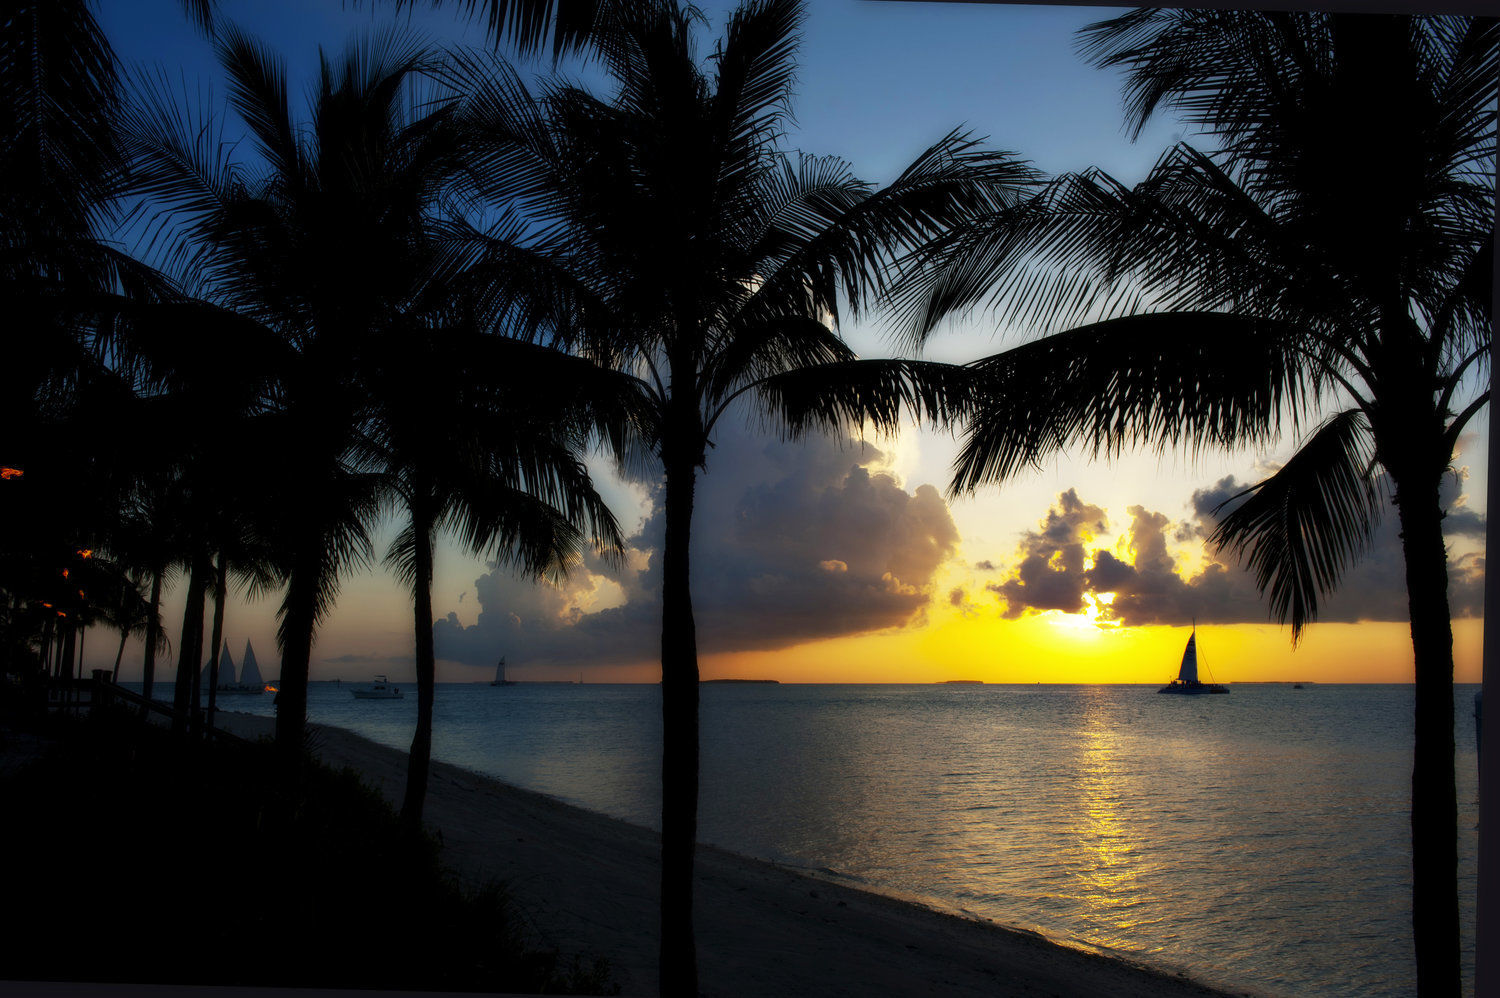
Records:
x=588, y=885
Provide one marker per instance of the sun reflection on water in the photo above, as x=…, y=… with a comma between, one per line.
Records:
x=1104, y=851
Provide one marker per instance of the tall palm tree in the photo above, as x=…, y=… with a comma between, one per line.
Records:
x=468, y=428
x=479, y=435
x=1279, y=275
x=667, y=236
x=309, y=243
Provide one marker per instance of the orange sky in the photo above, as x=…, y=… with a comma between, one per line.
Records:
x=1061, y=648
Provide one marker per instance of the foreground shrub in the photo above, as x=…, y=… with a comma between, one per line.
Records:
x=131, y=857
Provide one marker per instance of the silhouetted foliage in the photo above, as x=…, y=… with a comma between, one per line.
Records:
x=315, y=886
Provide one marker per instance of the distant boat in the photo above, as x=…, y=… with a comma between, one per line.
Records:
x=1187, y=675
x=226, y=669
x=500, y=679
x=381, y=690
x=250, y=678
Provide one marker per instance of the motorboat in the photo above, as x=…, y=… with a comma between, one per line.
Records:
x=381, y=690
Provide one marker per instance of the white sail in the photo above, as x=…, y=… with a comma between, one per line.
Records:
x=1189, y=671
x=226, y=667
x=249, y=670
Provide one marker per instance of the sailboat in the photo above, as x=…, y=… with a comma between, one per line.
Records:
x=1187, y=674
x=250, y=679
x=500, y=679
x=226, y=670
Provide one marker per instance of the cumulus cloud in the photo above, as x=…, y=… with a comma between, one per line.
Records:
x=1050, y=572
x=1058, y=568
x=791, y=542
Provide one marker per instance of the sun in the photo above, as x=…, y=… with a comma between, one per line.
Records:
x=1088, y=623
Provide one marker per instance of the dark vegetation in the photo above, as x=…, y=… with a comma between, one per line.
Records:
x=317, y=886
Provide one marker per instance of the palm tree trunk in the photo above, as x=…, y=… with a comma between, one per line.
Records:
x=65, y=655
x=1434, y=805
x=420, y=759
x=218, y=636
x=678, y=966
x=119, y=655
x=44, y=653
x=191, y=653
x=299, y=618
x=153, y=630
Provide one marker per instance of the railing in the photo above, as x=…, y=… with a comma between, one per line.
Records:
x=74, y=696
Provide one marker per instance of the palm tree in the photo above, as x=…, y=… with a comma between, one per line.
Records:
x=479, y=435
x=467, y=427
x=1273, y=276
x=310, y=245
x=667, y=236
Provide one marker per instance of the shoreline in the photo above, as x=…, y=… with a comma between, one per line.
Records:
x=586, y=884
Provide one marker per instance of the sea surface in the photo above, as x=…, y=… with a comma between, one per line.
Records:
x=1258, y=841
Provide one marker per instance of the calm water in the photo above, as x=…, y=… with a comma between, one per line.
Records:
x=1258, y=840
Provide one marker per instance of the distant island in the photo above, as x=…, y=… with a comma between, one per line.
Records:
x=964, y=682
x=740, y=681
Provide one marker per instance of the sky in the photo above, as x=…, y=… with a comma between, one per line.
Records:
x=843, y=558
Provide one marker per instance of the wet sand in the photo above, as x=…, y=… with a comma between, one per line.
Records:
x=587, y=884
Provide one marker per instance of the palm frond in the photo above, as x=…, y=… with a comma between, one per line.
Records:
x=848, y=394
x=1205, y=379
x=1303, y=527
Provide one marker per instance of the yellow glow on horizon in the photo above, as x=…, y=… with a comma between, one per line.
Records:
x=1044, y=649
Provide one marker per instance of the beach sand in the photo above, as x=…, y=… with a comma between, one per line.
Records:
x=587, y=883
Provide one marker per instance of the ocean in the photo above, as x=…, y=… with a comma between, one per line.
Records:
x=1257, y=841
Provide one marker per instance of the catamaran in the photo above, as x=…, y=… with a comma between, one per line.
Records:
x=500, y=679
x=1187, y=675
x=250, y=678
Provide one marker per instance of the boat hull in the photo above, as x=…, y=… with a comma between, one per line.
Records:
x=1192, y=689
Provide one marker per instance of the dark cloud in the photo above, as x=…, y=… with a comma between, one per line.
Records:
x=1050, y=575
x=1150, y=588
x=986, y=566
x=791, y=542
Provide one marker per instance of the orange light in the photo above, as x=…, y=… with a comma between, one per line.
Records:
x=47, y=605
x=12, y=473
x=80, y=594
x=86, y=553
x=269, y=688
x=65, y=573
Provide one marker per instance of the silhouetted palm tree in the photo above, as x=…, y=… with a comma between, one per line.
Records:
x=479, y=435
x=309, y=244
x=667, y=236
x=1276, y=276
x=472, y=431
x=567, y=26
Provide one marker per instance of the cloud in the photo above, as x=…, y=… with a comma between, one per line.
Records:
x=791, y=542
x=1050, y=572
x=1059, y=568
x=1375, y=587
